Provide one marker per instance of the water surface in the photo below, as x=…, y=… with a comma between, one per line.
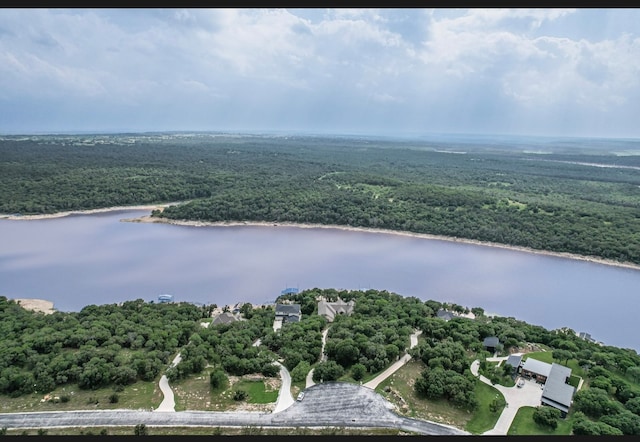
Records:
x=96, y=259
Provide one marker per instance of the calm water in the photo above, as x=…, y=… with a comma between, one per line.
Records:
x=95, y=259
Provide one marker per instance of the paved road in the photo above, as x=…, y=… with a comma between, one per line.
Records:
x=373, y=383
x=168, y=402
x=334, y=404
x=285, y=400
x=323, y=357
x=528, y=395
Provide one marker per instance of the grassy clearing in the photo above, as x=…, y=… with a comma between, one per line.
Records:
x=403, y=396
x=258, y=394
x=523, y=425
x=194, y=393
x=140, y=395
x=483, y=418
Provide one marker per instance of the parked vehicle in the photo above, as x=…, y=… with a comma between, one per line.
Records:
x=520, y=383
x=300, y=396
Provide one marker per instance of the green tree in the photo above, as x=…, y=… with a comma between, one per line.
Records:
x=497, y=403
x=270, y=370
x=625, y=421
x=218, y=379
x=299, y=373
x=593, y=402
x=327, y=371
x=546, y=416
x=633, y=405
x=346, y=352
x=562, y=355
x=634, y=373
x=358, y=371
x=585, y=427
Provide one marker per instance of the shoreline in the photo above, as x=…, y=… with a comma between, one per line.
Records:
x=149, y=219
x=84, y=212
x=566, y=255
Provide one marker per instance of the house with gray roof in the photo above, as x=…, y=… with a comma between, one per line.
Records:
x=288, y=313
x=557, y=392
x=225, y=318
x=515, y=361
x=491, y=343
x=444, y=314
x=538, y=370
x=331, y=309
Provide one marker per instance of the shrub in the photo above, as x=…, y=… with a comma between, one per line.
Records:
x=240, y=395
x=546, y=416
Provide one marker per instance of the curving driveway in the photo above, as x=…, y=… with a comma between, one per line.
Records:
x=529, y=395
x=373, y=383
x=168, y=402
x=285, y=400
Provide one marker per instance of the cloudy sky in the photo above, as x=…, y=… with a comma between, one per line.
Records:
x=345, y=71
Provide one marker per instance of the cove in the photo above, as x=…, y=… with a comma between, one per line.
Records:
x=79, y=260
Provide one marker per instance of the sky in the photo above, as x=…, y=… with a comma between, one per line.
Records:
x=548, y=72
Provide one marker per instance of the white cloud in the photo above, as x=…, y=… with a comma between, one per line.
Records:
x=315, y=68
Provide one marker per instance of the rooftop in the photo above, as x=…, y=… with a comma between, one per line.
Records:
x=537, y=367
x=556, y=389
x=287, y=309
x=491, y=341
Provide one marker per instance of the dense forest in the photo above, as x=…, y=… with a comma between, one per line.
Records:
x=111, y=346
x=570, y=199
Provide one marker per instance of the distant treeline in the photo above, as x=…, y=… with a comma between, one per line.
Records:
x=548, y=202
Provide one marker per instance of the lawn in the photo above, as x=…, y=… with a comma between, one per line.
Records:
x=523, y=425
x=194, y=393
x=483, y=418
x=258, y=394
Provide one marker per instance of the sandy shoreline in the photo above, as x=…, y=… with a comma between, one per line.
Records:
x=150, y=219
x=85, y=212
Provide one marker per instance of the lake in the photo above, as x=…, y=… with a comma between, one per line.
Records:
x=96, y=259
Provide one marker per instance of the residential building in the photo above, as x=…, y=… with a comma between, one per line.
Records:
x=557, y=392
x=515, y=361
x=225, y=318
x=331, y=309
x=491, y=343
x=288, y=313
x=444, y=314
